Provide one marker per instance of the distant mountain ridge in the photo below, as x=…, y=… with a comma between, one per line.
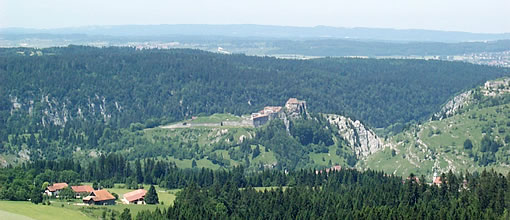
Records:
x=268, y=31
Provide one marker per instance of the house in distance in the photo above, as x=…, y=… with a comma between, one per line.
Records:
x=99, y=197
x=135, y=197
x=55, y=189
x=82, y=190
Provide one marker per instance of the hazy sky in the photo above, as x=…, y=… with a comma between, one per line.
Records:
x=459, y=15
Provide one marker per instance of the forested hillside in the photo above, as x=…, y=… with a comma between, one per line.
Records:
x=122, y=86
x=472, y=133
x=103, y=108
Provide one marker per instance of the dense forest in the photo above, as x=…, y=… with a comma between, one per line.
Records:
x=63, y=100
x=310, y=194
x=121, y=86
x=82, y=114
x=349, y=194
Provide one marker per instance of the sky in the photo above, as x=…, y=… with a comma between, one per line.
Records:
x=488, y=16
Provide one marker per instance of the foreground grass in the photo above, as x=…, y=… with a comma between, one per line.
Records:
x=32, y=211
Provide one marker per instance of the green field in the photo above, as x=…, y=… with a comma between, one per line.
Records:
x=20, y=210
x=165, y=196
x=71, y=210
x=323, y=159
x=215, y=118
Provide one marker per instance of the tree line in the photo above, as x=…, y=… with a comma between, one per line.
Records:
x=349, y=194
x=306, y=193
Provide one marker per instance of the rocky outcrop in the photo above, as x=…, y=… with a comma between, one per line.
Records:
x=363, y=140
x=454, y=105
x=295, y=108
x=59, y=111
x=491, y=88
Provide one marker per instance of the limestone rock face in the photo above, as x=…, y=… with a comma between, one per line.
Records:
x=363, y=140
x=454, y=105
x=491, y=88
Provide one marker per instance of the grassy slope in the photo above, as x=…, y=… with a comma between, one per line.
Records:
x=216, y=118
x=205, y=136
x=438, y=145
x=38, y=211
x=12, y=216
x=323, y=159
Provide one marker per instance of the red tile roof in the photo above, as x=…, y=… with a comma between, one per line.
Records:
x=438, y=180
x=135, y=195
x=57, y=186
x=99, y=195
x=271, y=109
x=82, y=189
x=260, y=116
x=292, y=101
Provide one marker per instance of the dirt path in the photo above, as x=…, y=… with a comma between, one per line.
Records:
x=243, y=123
x=189, y=125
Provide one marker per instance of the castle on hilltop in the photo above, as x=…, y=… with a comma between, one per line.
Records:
x=293, y=109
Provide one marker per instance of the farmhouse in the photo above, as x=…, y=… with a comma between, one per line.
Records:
x=55, y=189
x=437, y=180
x=82, y=190
x=135, y=197
x=99, y=197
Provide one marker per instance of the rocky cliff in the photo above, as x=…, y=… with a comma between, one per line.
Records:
x=51, y=110
x=491, y=88
x=454, y=105
x=363, y=140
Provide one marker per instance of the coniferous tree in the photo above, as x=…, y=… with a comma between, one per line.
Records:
x=468, y=144
x=152, y=196
x=138, y=171
x=36, y=196
x=126, y=214
x=256, y=151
